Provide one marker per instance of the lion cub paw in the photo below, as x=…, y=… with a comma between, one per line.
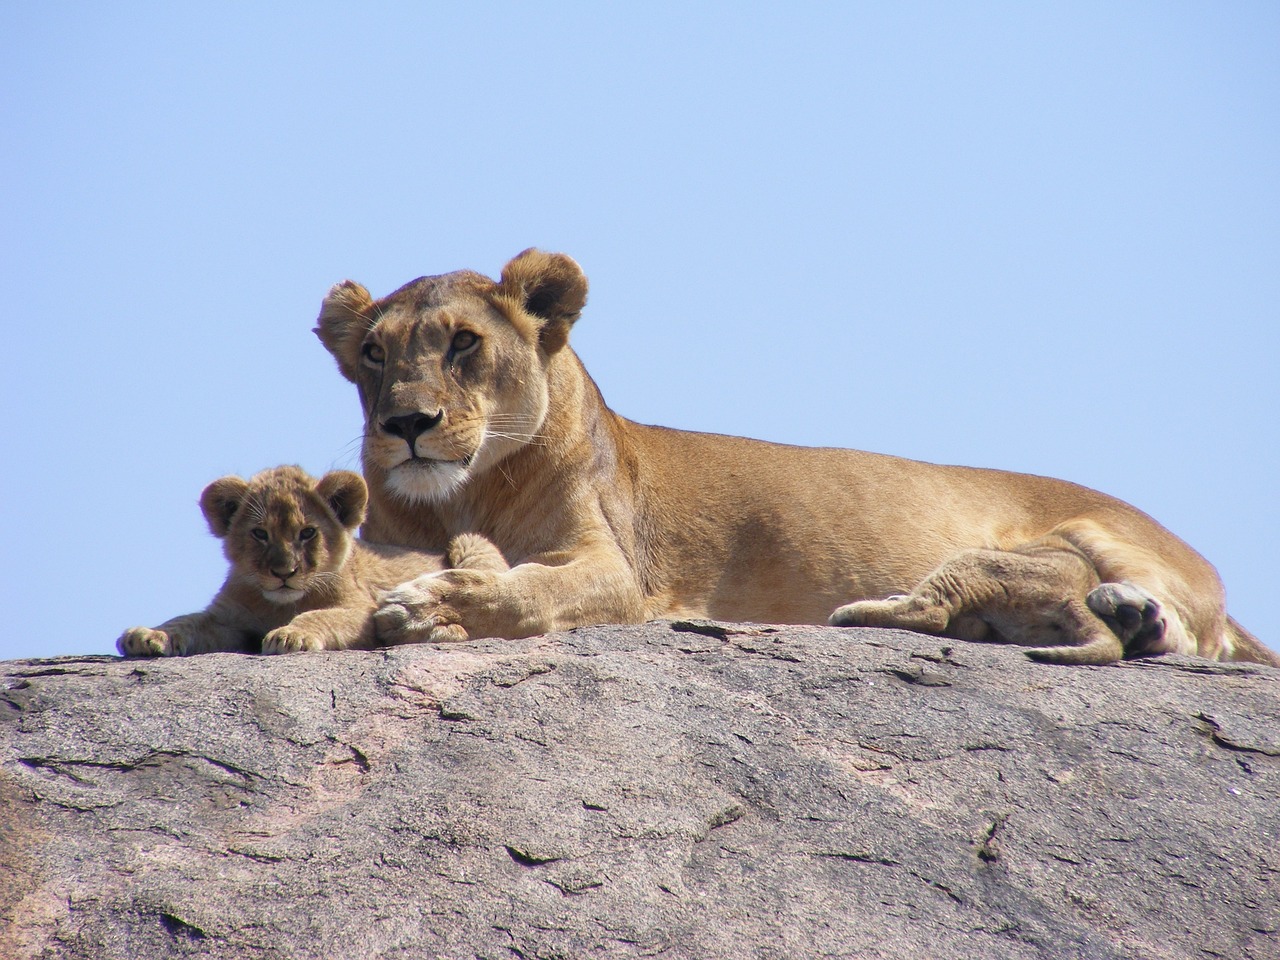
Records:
x=1133, y=615
x=288, y=639
x=145, y=642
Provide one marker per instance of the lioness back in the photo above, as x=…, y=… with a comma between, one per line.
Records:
x=742, y=520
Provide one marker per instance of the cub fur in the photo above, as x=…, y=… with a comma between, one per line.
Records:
x=298, y=579
x=480, y=418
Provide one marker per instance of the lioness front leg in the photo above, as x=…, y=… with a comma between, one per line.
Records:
x=525, y=601
x=453, y=606
x=1033, y=595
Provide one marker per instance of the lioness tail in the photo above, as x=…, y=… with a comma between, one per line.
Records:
x=1243, y=645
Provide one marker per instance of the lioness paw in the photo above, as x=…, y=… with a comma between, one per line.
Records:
x=414, y=592
x=392, y=622
x=1134, y=615
x=903, y=612
x=471, y=551
x=144, y=642
x=290, y=640
x=400, y=623
x=435, y=608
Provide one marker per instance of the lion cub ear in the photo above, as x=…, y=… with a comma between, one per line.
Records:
x=344, y=320
x=549, y=286
x=219, y=502
x=346, y=494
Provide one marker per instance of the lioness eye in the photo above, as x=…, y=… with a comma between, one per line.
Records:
x=464, y=340
x=259, y=534
x=306, y=533
x=374, y=353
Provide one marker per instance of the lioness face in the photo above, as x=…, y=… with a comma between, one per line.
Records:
x=284, y=534
x=450, y=390
x=452, y=370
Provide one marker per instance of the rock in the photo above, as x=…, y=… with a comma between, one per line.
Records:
x=679, y=790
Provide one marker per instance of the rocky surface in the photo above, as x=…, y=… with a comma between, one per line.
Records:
x=672, y=790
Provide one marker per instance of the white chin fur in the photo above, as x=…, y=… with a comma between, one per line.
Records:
x=419, y=482
x=283, y=595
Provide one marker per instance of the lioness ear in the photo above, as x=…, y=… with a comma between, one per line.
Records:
x=346, y=494
x=344, y=320
x=549, y=286
x=219, y=502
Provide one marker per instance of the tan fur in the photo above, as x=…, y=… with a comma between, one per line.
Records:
x=480, y=419
x=299, y=580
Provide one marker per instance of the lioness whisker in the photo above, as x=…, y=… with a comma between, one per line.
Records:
x=530, y=438
x=349, y=452
x=506, y=476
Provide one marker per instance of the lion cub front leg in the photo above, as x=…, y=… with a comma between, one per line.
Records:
x=337, y=628
x=192, y=633
x=1034, y=595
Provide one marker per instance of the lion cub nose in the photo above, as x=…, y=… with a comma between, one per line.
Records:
x=410, y=426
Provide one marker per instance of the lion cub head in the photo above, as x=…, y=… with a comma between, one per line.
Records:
x=285, y=534
x=452, y=370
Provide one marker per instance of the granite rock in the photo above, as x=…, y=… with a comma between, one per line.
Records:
x=681, y=790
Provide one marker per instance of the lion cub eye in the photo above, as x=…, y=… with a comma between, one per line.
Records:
x=463, y=341
x=373, y=353
x=259, y=534
x=306, y=533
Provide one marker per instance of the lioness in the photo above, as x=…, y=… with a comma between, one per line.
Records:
x=480, y=418
x=299, y=580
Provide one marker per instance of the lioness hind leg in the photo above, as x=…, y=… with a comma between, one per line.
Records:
x=950, y=601
x=1033, y=595
x=906, y=612
x=1136, y=617
x=1094, y=641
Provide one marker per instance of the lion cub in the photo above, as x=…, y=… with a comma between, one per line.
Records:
x=299, y=579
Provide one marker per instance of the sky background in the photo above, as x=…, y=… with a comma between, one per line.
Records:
x=1041, y=237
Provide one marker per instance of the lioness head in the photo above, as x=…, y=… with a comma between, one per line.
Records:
x=452, y=369
x=284, y=533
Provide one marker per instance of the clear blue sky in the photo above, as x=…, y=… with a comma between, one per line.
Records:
x=1043, y=237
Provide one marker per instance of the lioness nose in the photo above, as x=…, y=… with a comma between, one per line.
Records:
x=411, y=426
x=284, y=574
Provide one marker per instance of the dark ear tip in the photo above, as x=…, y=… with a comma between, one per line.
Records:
x=219, y=502
x=347, y=291
x=550, y=285
x=342, y=322
x=347, y=495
